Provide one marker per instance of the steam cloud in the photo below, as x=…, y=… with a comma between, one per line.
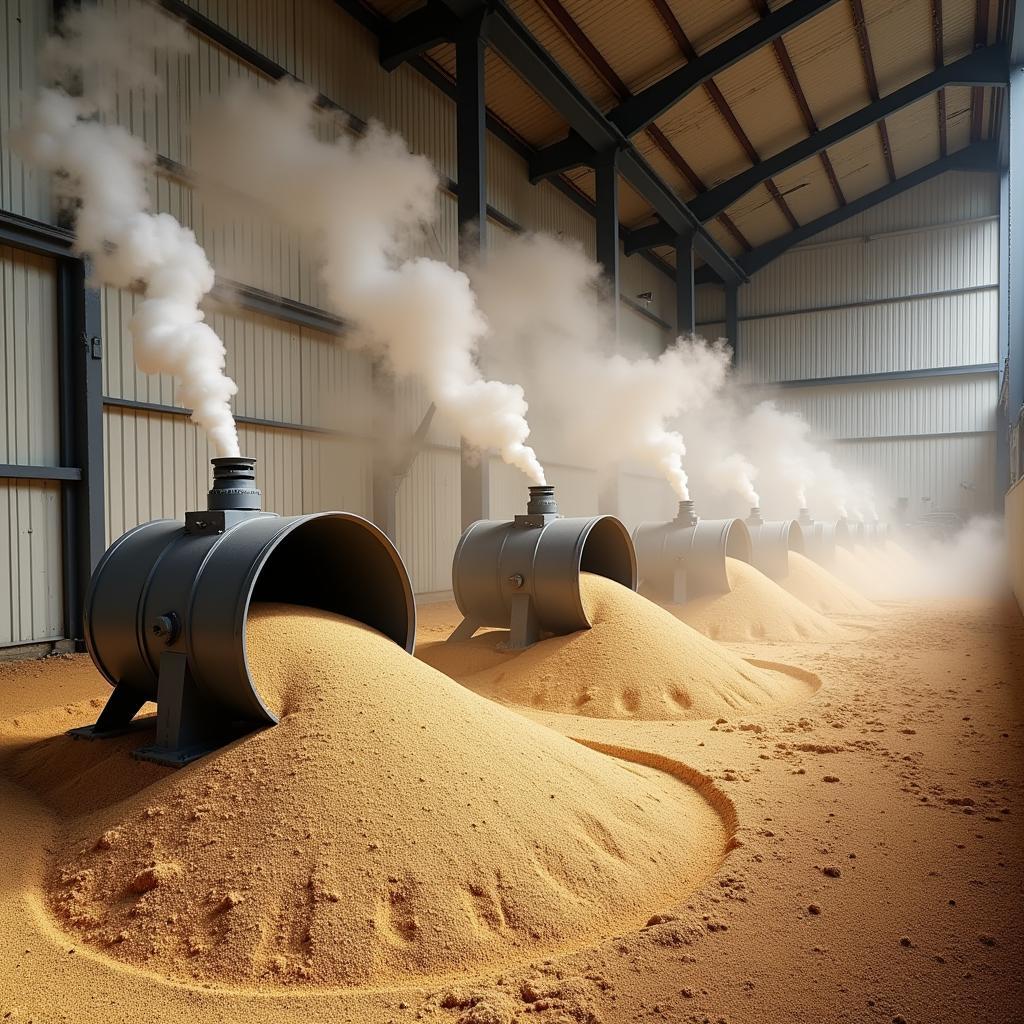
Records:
x=551, y=331
x=361, y=201
x=105, y=169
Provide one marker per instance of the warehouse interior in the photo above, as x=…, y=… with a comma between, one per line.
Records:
x=719, y=299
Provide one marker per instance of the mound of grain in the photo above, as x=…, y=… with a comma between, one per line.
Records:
x=756, y=608
x=637, y=661
x=393, y=825
x=817, y=588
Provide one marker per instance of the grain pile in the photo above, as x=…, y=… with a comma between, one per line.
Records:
x=392, y=826
x=817, y=588
x=756, y=608
x=637, y=661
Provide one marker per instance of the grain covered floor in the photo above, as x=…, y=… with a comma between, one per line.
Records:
x=877, y=876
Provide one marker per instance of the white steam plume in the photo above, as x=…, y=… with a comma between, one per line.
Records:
x=551, y=331
x=105, y=169
x=794, y=471
x=359, y=200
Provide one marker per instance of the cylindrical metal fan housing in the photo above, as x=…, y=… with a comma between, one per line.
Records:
x=685, y=558
x=771, y=542
x=540, y=555
x=169, y=587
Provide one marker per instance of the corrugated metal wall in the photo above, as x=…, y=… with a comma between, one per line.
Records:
x=31, y=603
x=155, y=460
x=910, y=285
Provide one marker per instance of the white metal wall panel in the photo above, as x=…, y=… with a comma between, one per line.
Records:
x=429, y=519
x=949, y=330
x=933, y=405
x=907, y=247
x=23, y=26
x=637, y=276
x=947, y=473
x=158, y=466
x=950, y=197
x=31, y=603
x=888, y=266
x=29, y=409
x=710, y=303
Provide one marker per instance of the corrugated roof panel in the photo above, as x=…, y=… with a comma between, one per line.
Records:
x=859, y=164
x=762, y=101
x=708, y=24
x=520, y=107
x=958, y=18
x=633, y=208
x=958, y=117
x=828, y=64
x=761, y=218
x=807, y=190
x=696, y=128
x=665, y=168
x=900, y=35
x=914, y=135
x=548, y=33
x=639, y=47
x=723, y=237
x=583, y=179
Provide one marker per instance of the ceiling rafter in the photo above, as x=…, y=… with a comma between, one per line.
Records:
x=861, y=27
x=981, y=67
x=938, y=59
x=980, y=157
x=977, y=93
x=716, y=96
x=810, y=122
x=593, y=56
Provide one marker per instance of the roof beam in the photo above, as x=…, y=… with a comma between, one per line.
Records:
x=532, y=62
x=979, y=157
x=717, y=97
x=415, y=34
x=983, y=67
x=562, y=156
x=639, y=111
x=860, y=25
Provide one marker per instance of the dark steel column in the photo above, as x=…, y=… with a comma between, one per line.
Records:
x=384, y=488
x=81, y=435
x=606, y=175
x=1015, y=262
x=732, y=321
x=1002, y=481
x=686, y=300
x=471, y=141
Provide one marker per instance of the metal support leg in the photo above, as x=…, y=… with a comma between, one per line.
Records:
x=524, y=629
x=186, y=726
